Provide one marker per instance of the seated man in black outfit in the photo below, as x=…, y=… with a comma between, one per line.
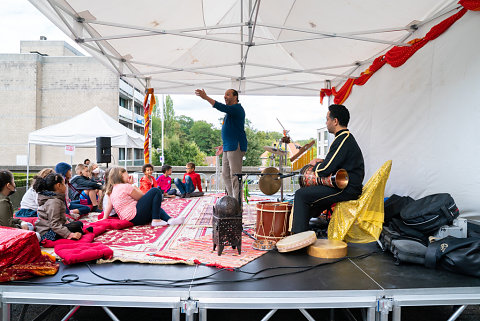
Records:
x=344, y=153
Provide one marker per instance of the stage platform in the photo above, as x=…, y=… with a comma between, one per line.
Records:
x=372, y=282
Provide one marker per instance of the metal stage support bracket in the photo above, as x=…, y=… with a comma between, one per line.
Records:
x=384, y=306
x=189, y=307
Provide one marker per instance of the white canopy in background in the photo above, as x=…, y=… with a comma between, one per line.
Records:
x=268, y=47
x=74, y=132
x=423, y=115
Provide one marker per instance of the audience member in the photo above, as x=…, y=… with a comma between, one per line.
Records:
x=97, y=173
x=74, y=208
x=147, y=181
x=134, y=206
x=191, y=181
x=7, y=188
x=86, y=162
x=84, y=188
x=105, y=198
x=52, y=223
x=29, y=202
x=164, y=182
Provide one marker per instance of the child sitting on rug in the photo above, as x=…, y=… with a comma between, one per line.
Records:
x=84, y=189
x=134, y=206
x=164, y=182
x=52, y=223
x=74, y=208
x=147, y=181
x=191, y=181
x=29, y=203
x=7, y=188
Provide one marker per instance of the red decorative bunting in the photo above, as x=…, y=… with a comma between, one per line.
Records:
x=398, y=55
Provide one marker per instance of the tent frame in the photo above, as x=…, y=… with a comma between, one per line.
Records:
x=84, y=22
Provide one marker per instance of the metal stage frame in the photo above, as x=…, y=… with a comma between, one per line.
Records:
x=373, y=283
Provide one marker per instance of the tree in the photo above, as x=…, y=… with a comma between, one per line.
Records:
x=178, y=153
x=185, y=124
x=205, y=136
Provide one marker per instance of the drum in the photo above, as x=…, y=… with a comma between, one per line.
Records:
x=272, y=220
x=296, y=241
x=307, y=176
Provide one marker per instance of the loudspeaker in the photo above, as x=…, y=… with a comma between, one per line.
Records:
x=104, y=149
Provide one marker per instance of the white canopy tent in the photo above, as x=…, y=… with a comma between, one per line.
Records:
x=422, y=115
x=74, y=132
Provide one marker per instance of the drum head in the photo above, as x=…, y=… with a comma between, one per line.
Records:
x=296, y=241
x=269, y=184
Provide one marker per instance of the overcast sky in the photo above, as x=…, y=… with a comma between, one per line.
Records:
x=19, y=20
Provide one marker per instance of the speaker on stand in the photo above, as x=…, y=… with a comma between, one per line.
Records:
x=104, y=150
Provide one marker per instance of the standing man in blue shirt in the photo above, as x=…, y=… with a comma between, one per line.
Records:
x=233, y=137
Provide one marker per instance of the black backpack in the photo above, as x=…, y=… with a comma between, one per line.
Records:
x=428, y=214
x=455, y=255
x=393, y=206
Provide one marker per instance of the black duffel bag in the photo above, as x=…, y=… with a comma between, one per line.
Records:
x=455, y=255
x=428, y=214
x=393, y=206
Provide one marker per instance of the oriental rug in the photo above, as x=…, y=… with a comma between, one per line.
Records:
x=141, y=243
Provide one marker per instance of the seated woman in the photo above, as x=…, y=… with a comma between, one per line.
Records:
x=84, y=189
x=29, y=203
x=52, y=223
x=7, y=188
x=134, y=206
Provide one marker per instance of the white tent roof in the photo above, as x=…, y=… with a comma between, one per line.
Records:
x=267, y=47
x=75, y=132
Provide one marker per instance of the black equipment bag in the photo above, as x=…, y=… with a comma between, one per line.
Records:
x=455, y=255
x=393, y=205
x=404, y=248
x=428, y=214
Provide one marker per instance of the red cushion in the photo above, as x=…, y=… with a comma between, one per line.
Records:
x=18, y=246
x=81, y=252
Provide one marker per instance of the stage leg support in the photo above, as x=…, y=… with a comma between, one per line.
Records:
x=457, y=313
x=5, y=310
x=371, y=314
x=110, y=314
x=202, y=314
x=396, y=313
x=307, y=315
x=269, y=315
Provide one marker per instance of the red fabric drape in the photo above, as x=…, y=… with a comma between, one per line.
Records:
x=397, y=56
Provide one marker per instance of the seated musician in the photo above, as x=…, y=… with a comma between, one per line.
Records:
x=344, y=153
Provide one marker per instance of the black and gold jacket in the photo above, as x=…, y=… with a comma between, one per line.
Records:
x=345, y=153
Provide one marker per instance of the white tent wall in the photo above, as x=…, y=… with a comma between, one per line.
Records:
x=424, y=116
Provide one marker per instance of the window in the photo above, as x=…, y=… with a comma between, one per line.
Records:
x=123, y=102
x=325, y=135
x=121, y=154
x=325, y=150
x=138, y=109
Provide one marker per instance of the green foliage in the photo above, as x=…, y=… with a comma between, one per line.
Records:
x=21, y=178
x=180, y=153
x=205, y=136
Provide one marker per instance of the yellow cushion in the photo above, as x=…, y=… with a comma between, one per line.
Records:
x=361, y=220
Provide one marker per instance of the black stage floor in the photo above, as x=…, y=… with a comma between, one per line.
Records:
x=291, y=281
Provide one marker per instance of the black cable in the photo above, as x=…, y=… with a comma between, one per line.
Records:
x=182, y=283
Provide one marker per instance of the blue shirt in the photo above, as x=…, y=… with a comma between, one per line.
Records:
x=233, y=127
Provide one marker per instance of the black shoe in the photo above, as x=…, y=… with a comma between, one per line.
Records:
x=96, y=209
x=183, y=195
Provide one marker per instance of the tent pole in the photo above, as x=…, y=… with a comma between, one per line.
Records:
x=163, y=127
x=28, y=160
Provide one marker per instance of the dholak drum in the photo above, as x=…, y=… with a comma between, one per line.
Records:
x=272, y=220
x=307, y=176
x=296, y=241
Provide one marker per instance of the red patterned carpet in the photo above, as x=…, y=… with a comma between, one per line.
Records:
x=143, y=243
